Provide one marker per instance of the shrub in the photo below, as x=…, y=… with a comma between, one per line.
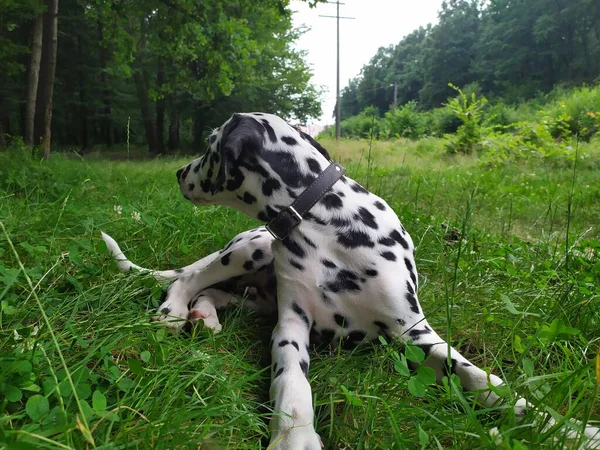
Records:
x=571, y=111
x=406, y=122
x=443, y=121
x=469, y=110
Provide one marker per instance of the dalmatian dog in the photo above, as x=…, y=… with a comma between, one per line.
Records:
x=343, y=263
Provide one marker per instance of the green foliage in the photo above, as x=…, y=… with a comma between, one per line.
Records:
x=508, y=47
x=469, y=110
x=405, y=121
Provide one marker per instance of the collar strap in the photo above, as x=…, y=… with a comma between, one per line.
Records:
x=291, y=216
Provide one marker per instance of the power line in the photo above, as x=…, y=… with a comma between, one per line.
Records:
x=338, y=110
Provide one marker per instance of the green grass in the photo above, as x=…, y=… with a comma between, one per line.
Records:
x=521, y=294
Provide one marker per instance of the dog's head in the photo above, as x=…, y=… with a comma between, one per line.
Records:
x=256, y=163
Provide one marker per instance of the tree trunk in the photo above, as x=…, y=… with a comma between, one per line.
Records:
x=160, y=109
x=106, y=130
x=53, y=21
x=149, y=126
x=174, y=128
x=2, y=131
x=83, y=109
x=34, y=77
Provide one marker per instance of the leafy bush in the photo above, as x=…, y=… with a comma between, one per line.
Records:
x=406, y=122
x=469, y=110
x=573, y=109
x=443, y=121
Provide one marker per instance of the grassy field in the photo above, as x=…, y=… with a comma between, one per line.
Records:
x=508, y=258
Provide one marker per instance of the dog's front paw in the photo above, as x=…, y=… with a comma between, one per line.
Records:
x=205, y=310
x=172, y=314
x=301, y=437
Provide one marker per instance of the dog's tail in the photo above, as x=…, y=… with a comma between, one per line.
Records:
x=161, y=275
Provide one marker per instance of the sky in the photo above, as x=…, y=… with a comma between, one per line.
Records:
x=377, y=23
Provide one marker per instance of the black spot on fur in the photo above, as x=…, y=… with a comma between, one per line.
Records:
x=359, y=189
x=214, y=158
x=308, y=241
x=344, y=281
x=416, y=334
x=248, y=198
x=257, y=254
x=327, y=335
x=379, y=205
x=332, y=201
x=339, y=222
x=426, y=348
x=279, y=372
x=191, y=186
x=225, y=258
x=355, y=239
x=312, y=218
x=289, y=140
x=301, y=313
x=401, y=322
x=353, y=338
x=186, y=171
x=178, y=270
x=212, y=139
x=395, y=235
x=248, y=265
x=371, y=272
x=466, y=364
x=236, y=180
x=412, y=301
x=295, y=344
x=297, y=265
x=286, y=166
x=313, y=165
x=165, y=311
x=410, y=288
x=340, y=320
x=293, y=247
x=381, y=325
x=269, y=186
x=387, y=241
x=365, y=216
x=409, y=266
x=389, y=256
x=255, y=237
x=270, y=130
x=205, y=185
x=328, y=264
x=304, y=367
x=283, y=343
x=197, y=168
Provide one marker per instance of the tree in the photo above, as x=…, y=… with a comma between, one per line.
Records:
x=34, y=76
x=52, y=16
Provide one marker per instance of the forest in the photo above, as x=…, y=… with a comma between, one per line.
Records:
x=512, y=50
x=156, y=72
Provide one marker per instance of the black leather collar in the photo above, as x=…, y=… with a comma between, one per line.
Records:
x=290, y=217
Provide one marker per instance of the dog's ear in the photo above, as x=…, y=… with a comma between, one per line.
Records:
x=241, y=136
x=308, y=138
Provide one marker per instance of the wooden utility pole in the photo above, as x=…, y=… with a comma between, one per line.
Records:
x=338, y=103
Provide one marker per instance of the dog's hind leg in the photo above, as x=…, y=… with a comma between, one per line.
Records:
x=247, y=253
x=446, y=360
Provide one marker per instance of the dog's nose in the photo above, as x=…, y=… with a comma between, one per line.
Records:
x=179, y=172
